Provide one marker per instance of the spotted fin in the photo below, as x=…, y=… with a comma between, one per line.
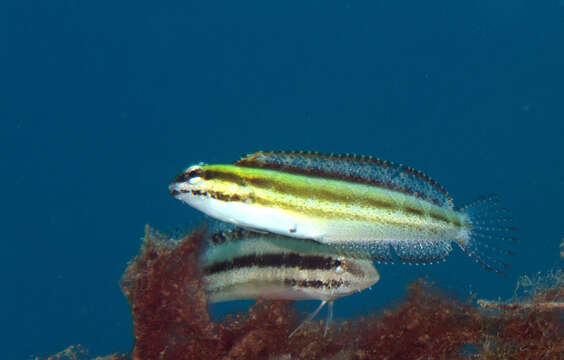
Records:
x=232, y=234
x=352, y=168
x=491, y=233
x=421, y=252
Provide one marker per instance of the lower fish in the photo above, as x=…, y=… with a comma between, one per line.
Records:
x=242, y=264
x=362, y=205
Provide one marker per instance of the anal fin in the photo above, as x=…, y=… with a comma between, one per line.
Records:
x=314, y=314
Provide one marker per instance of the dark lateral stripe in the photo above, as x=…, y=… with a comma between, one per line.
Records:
x=414, y=211
x=288, y=188
x=224, y=176
x=439, y=217
x=360, y=169
x=213, y=194
x=316, y=284
x=290, y=260
x=284, y=188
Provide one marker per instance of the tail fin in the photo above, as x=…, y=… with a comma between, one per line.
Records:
x=490, y=225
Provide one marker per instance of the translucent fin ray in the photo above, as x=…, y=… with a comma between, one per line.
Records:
x=490, y=225
x=414, y=251
x=309, y=318
x=407, y=251
x=329, y=317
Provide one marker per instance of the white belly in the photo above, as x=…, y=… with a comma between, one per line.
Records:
x=258, y=217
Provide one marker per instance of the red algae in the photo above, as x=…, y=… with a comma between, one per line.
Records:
x=530, y=326
x=167, y=299
x=171, y=321
x=169, y=307
x=78, y=352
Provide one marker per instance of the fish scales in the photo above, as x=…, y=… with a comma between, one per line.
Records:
x=362, y=206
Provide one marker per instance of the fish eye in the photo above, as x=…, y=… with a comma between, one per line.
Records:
x=340, y=268
x=193, y=171
x=192, y=175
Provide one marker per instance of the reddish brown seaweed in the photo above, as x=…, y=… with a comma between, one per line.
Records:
x=171, y=321
x=78, y=352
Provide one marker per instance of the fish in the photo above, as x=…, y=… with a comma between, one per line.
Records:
x=361, y=205
x=243, y=264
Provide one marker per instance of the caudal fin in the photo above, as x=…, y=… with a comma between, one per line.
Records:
x=490, y=233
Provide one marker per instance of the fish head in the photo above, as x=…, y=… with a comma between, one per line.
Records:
x=359, y=274
x=187, y=181
x=210, y=188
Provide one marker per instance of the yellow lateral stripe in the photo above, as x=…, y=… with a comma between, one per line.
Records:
x=331, y=198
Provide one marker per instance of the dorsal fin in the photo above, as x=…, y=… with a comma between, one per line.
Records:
x=353, y=168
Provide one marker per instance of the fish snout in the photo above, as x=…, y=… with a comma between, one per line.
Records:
x=172, y=189
x=177, y=188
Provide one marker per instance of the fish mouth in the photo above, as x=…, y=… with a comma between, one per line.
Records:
x=179, y=189
x=176, y=189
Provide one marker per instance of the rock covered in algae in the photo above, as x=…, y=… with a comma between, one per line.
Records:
x=171, y=321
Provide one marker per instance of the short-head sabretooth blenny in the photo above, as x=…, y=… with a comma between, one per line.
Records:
x=242, y=264
x=366, y=206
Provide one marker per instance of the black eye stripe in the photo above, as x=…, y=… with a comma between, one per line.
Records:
x=186, y=175
x=194, y=173
x=223, y=176
x=182, y=177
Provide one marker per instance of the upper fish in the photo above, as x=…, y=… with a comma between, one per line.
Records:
x=358, y=204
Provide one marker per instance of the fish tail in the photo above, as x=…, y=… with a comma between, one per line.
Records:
x=489, y=226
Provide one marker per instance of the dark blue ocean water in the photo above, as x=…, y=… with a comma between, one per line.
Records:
x=103, y=102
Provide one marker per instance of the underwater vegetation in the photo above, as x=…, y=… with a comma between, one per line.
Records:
x=169, y=307
x=78, y=352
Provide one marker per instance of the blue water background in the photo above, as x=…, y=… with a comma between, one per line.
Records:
x=103, y=102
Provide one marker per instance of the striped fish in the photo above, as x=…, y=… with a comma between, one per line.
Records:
x=242, y=264
x=365, y=206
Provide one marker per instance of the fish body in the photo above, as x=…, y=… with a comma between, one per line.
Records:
x=364, y=206
x=243, y=264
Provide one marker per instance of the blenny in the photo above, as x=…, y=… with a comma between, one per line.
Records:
x=243, y=264
x=361, y=205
